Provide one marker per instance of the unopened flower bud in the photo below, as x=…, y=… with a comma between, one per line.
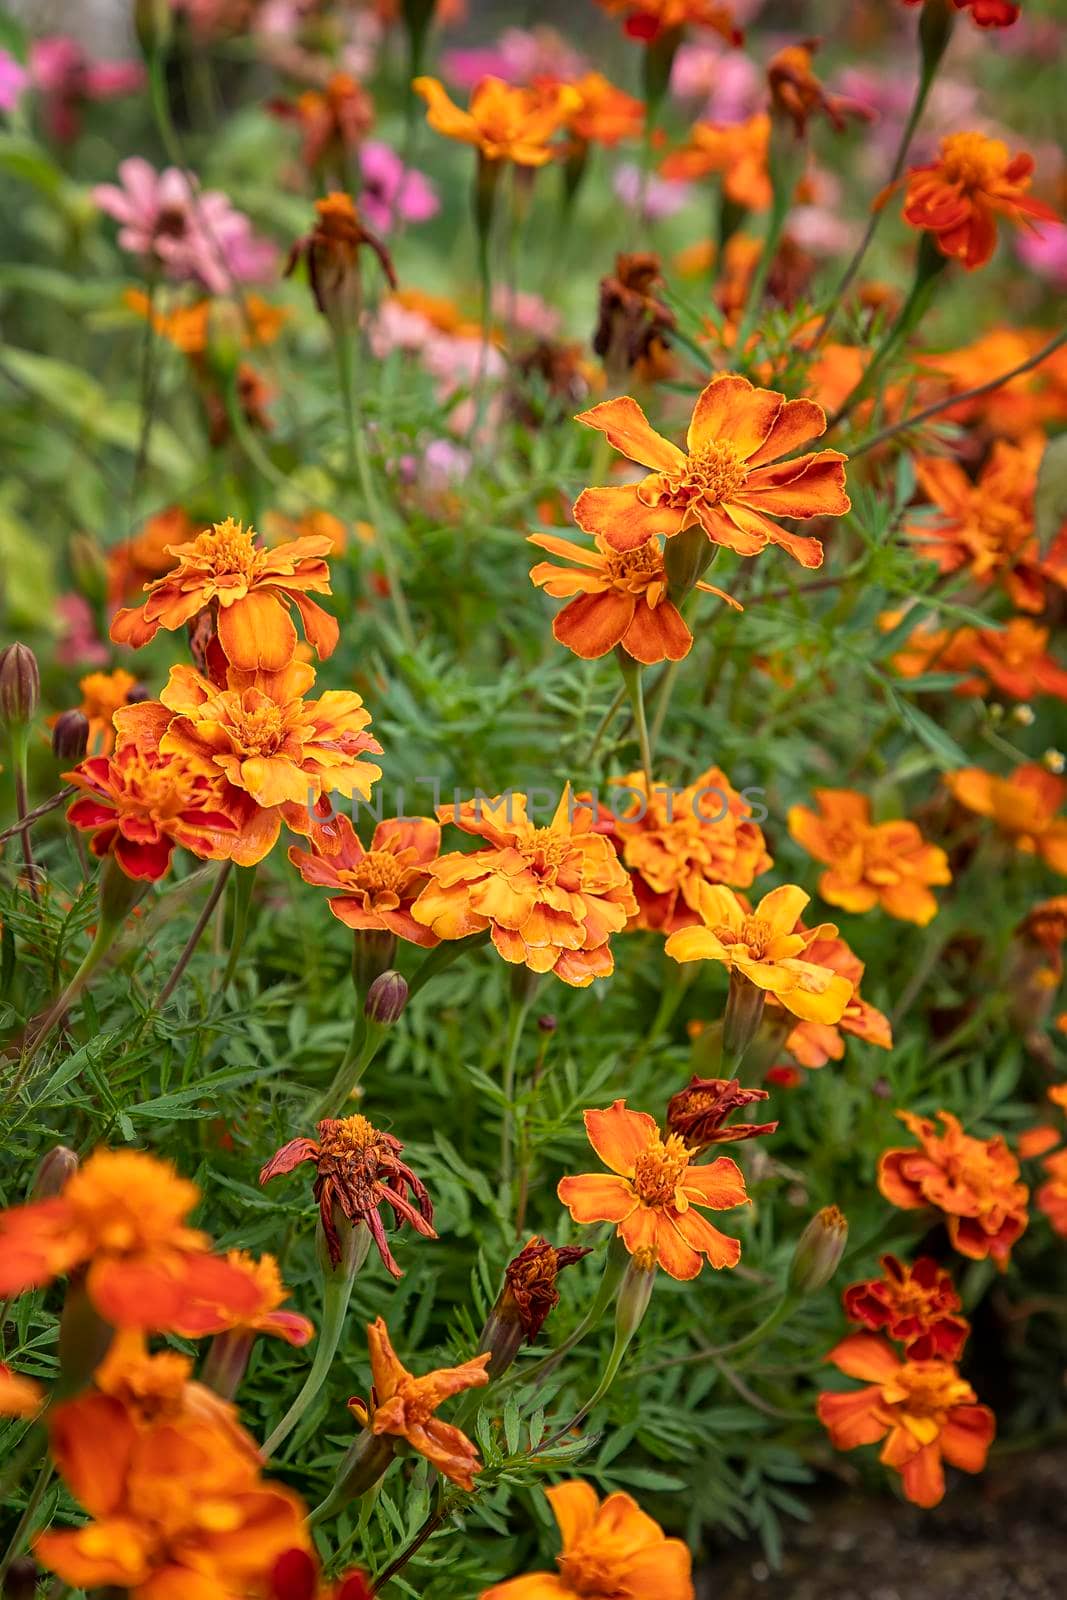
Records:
x=1023, y=715
x=635, y=1292
x=1055, y=761
x=373, y=953
x=20, y=685
x=21, y=1580
x=528, y=1297
x=386, y=999
x=819, y=1251
x=153, y=24
x=70, y=737
x=54, y=1173
x=548, y=1022
x=744, y=1011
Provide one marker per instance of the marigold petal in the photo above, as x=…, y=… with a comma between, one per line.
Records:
x=966, y=1437
x=719, y=1184
x=732, y=409
x=923, y=1478
x=798, y=422
x=657, y=633
x=629, y=431
x=593, y=624
x=257, y=632
x=622, y=518
x=575, y=1507
x=866, y=1356
x=596, y=1197
x=619, y=1136
x=852, y=1419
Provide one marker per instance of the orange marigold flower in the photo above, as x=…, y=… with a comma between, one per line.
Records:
x=886, y=864
x=139, y=804
x=813, y=1044
x=610, y=1548
x=728, y=484
x=296, y=1577
x=332, y=120
x=251, y=589
x=1013, y=409
x=278, y=528
x=505, y=122
x=1013, y=659
x=358, y=1170
x=673, y=841
x=102, y=695
x=19, y=1396
x=1051, y=1197
x=973, y=1182
x=924, y=1410
x=205, y=1315
x=604, y=114
x=620, y=599
x=135, y=562
x=189, y=327
x=798, y=95
x=653, y=1192
x=331, y=251
x=735, y=150
x=122, y=1216
x=404, y=1406
x=647, y=20
x=550, y=896
x=375, y=888
x=916, y=1305
x=697, y=1112
x=987, y=526
x=1023, y=806
x=763, y=947
x=277, y=753
x=959, y=196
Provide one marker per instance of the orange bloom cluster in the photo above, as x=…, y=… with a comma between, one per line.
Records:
x=1014, y=659
x=102, y=695
x=916, y=1305
x=621, y=598
x=504, y=122
x=172, y=1483
x=737, y=151
x=275, y=752
x=332, y=121
x=403, y=1406
x=1014, y=409
x=987, y=527
x=1051, y=1196
x=136, y=562
x=923, y=1410
x=648, y=20
x=122, y=1218
x=974, y=1183
x=673, y=842
x=1023, y=806
x=603, y=114
x=886, y=864
x=610, y=1548
x=375, y=888
x=813, y=1044
x=959, y=197
x=653, y=1191
x=189, y=328
x=763, y=948
x=551, y=897
x=732, y=481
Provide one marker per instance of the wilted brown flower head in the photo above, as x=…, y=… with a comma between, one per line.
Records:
x=797, y=94
x=333, y=120
x=530, y=1292
x=358, y=1170
x=697, y=1112
x=331, y=251
x=633, y=325
x=1045, y=925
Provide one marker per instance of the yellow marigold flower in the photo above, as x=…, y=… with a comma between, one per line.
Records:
x=102, y=695
x=505, y=122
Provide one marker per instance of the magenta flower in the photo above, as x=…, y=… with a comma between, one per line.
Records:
x=520, y=55
x=68, y=80
x=13, y=79
x=654, y=197
x=389, y=193
x=193, y=235
x=1044, y=249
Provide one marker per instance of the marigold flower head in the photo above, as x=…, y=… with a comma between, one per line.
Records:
x=673, y=841
x=973, y=1182
x=917, y=1305
x=813, y=1044
x=102, y=695
x=505, y=122
x=19, y=1396
x=924, y=1410
x=358, y=1170
x=135, y=562
x=331, y=251
x=653, y=1191
x=530, y=1294
x=633, y=324
x=205, y=1316
x=332, y=120
x=728, y=483
x=250, y=588
x=1051, y=1196
x=1013, y=660
x=619, y=598
x=122, y=1216
x=735, y=150
x=190, y=328
x=138, y=804
x=1023, y=806
x=296, y=1577
x=1013, y=409
x=405, y=1406
x=649, y=20
x=798, y=95
x=698, y=1112
x=276, y=752
x=604, y=114
x=763, y=947
x=550, y=896
x=1045, y=926
x=958, y=197
x=886, y=864
x=375, y=888
x=610, y=1548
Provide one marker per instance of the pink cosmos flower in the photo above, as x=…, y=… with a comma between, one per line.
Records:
x=519, y=56
x=1044, y=249
x=13, y=79
x=655, y=197
x=526, y=312
x=68, y=79
x=79, y=643
x=728, y=84
x=193, y=234
x=388, y=193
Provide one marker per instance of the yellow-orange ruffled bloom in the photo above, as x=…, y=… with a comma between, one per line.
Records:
x=887, y=864
x=405, y=1406
x=505, y=122
x=1024, y=807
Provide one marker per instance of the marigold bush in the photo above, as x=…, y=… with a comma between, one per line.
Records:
x=359, y=872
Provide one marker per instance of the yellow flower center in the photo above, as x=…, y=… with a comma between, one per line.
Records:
x=379, y=872
x=588, y=1573
x=227, y=549
x=349, y=1133
x=933, y=1388
x=972, y=160
x=753, y=936
x=545, y=850
x=713, y=473
x=161, y=790
x=634, y=570
x=256, y=725
x=658, y=1169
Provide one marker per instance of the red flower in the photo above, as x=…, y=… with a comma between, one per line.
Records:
x=139, y=804
x=915, y=1305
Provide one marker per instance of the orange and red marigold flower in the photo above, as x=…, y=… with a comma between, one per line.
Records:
x=916, y=1305
x=617, y=597
x=924, y=1410
x=375, y=888
x=505, y=122
x=205, y=1315
x=251, y=588
x=1014, y=660
x=813, y=1044
x=138, y=804
x=1024, y=807
x=958, y=197
x=551, y=897
x=973, y=1182
x=610, y=1548
x=886, y=864
x=122, y=1216
x=653, y=1193
x=736, y=150
x=731, y=483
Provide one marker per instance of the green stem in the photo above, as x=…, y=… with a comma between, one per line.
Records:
x=518, y=1012
x=366, y=1041
x=605, y=724
x=37, y=1493
x=631, y=675
x=194, y=938
x=243, y=885
x=928, y=271
x=19, y=763
x=767, y=1326
x=784, y=183
x=106, y=933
